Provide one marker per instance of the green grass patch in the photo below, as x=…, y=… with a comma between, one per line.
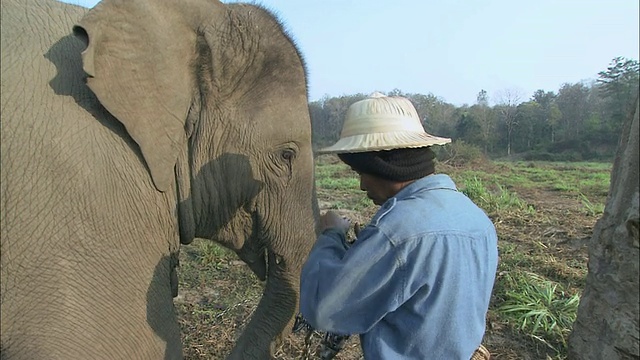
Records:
x=590, y=208
x=496, y=201
x=324, y=170
x=570, y=178
x=338, y=183
x=538, y=307
x=210, y=253
x=512, y=257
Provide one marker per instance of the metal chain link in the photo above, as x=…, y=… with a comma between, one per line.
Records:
x=329, y=347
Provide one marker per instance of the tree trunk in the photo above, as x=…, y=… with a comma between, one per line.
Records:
x=607, y=325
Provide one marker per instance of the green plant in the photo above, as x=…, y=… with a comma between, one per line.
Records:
x=213, y=254
x=512, y=258
x=476, y=191
x=538, y=306
x=591, y=209
x=563, y=186
x=506, y=200
x=494, y=202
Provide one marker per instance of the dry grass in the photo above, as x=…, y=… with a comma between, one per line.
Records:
x=218, y=293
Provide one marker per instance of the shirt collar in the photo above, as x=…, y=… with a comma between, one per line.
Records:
x=429, y=182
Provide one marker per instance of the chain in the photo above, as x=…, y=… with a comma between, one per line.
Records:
x=301, y=324
x=306, y=353
x=331, y=343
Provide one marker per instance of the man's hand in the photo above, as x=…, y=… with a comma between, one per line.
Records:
x=332, y=219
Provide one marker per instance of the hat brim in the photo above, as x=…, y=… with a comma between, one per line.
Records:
x=383, y=141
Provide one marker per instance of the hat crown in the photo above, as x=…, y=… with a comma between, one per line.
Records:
x=382, y=122
x=380, y=114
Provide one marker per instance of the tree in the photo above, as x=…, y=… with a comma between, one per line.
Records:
x=508, y=101
x=484, y=117
x=425, y=105
x=574, y=105
x=550, y=112
x=618, y=86
x=335, y=109
x=554, y=118
x=467, y=127
x=436, y=115
x=530, y=121
x=621, y=78
x=608, y=324
x=319, y=124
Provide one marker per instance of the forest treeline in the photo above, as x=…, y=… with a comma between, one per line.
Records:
x=579, y=121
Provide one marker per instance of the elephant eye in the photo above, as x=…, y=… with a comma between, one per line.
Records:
x=283, y=158
x=287, y=154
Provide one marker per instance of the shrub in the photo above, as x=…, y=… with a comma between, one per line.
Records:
x=459, y=153
x=537, y=156
x=571, y=156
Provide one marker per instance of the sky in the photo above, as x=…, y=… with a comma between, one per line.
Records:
x=454, y=49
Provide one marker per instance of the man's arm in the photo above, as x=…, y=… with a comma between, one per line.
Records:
x=348, y=292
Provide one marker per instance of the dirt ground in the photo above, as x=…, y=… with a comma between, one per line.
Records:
x=559, y=232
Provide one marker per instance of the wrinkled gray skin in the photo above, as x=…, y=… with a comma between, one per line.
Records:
x=154, y=122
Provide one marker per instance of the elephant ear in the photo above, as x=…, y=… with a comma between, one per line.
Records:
x=137, y=59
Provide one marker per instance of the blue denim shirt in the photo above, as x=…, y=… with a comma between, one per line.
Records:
x=417, y=281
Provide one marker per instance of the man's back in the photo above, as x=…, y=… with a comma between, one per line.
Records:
x=446, y=248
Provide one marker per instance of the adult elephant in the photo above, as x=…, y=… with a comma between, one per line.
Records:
x=155, y=122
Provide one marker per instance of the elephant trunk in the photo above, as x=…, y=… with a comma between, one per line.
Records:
x=274, y=313
x=286, y=253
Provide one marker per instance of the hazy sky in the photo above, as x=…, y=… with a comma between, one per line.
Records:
x=455, y=48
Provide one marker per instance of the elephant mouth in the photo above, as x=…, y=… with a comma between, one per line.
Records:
x=256, y=260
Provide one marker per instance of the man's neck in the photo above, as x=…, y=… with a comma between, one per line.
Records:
x=395, y=186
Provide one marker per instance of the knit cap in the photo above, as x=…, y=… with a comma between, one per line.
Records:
x=395, y=165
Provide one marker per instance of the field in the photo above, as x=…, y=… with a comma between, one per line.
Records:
x=544, y=214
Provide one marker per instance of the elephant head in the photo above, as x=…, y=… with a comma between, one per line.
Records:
x=215, y=97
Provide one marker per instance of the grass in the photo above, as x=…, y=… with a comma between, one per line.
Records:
x=345, y=184
x=591, y=209
x=494, y=202
x=572, y=178
x=544, y=214
x=538, y=307
x=212, y=254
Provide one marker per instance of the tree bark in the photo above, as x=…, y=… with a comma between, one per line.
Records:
x=607, y=325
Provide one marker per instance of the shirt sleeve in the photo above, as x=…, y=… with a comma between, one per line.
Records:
x=349, y=291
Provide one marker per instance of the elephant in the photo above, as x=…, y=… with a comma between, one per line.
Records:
x=128, y=130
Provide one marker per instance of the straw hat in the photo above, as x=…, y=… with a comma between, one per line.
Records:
x=382, y=122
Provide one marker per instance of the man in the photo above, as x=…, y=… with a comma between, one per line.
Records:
x=417, y=281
